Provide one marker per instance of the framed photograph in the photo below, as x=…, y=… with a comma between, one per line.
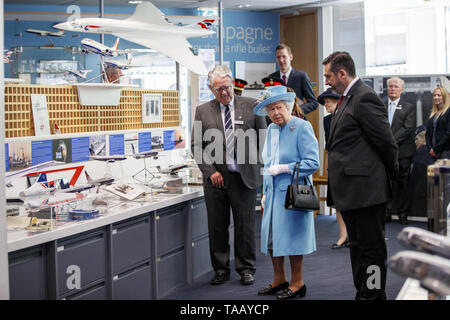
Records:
x=152, y=108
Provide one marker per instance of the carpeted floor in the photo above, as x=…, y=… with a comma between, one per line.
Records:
x=326, y=272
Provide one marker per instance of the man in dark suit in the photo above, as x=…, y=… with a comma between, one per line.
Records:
x=402, y=118
x=362, y=158
x=231, y=173
x=295, y=79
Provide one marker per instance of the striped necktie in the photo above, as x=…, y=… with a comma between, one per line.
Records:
x=284, y=79
x=229, y=133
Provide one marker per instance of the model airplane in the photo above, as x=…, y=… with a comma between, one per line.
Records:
x=433, y=272
x=40, y=187
x=149, y=27
x=109, y=158
x=92, y=46
x=144, y=154
x=6, y=57
x=79, y=73
x=46, y=33
x=98, y=182
x=10, y=177
x=425, y=241
x=172, y=170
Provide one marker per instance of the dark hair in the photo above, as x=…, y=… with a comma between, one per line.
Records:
x=282, y=46
x=341, y=60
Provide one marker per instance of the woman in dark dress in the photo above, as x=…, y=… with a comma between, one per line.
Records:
x=438, y=128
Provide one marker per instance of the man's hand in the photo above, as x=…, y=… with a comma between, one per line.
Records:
x=276, y=169
x=217, y=179
x=433, y=154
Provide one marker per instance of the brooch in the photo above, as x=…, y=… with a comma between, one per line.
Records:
x=292, y=128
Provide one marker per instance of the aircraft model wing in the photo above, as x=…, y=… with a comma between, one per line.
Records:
x=175, y=47
x=147, y=11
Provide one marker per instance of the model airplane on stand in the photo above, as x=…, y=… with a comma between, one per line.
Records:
x=149, y=27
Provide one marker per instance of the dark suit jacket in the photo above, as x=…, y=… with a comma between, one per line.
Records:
x=299, y=81
x=208, y=116
x=326, y=128
x=442, y=133
x=403, y=126
x=362, y=153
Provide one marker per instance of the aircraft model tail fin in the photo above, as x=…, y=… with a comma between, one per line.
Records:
x=42, y=178
x=205, y=24
x=88, y=177
x=147, y=12
x=116, y=44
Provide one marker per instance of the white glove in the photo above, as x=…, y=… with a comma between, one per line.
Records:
x=263, y=199
x=276, y=169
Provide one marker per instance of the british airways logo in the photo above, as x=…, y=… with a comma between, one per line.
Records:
x=206, y=24
x=88, y=27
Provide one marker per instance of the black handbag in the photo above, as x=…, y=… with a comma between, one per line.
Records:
x=301, y=197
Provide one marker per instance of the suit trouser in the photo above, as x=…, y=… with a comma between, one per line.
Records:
x=242, y=201
x=400, y=190
x=368, y=253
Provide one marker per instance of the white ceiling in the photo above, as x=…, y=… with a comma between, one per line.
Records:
x=255, y=5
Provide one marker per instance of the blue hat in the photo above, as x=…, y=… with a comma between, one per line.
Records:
x=329, y=93
x=271, y=95
x=419, y=129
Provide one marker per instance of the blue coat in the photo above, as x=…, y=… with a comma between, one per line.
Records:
x=292, y=231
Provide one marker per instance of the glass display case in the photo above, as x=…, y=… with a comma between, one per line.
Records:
x=46, y=65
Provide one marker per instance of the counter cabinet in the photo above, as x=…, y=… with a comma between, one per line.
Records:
x=144, y=257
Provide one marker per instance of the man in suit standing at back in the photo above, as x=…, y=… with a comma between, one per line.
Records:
x=402, y=118
x=231, y=173
x=362, y=159
x=295, y=79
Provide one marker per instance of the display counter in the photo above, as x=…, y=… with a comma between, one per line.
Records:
x=137, y=250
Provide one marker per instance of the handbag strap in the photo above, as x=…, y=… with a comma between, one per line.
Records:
x=296, y=170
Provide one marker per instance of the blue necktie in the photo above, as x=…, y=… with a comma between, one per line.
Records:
x=229, y=133
x=391, y=111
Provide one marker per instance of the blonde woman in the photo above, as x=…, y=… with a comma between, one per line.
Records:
x=438, y=128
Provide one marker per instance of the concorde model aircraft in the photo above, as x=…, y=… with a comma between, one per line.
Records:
x=149, y=27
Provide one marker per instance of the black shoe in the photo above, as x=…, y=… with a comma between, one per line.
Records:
x=288, y=294
x=403, y=220
x=247, y=278
x=338, y=246
x=272, y=290
x=220, y=277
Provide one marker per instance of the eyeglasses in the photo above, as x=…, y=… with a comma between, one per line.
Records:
x=275, y=109
x=220, y=89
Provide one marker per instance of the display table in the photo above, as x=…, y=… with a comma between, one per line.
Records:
x=137, y=250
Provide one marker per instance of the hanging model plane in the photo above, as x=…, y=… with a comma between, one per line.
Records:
x=92, y=46
x=79, y=73
x=46, y=33
x=149, y=27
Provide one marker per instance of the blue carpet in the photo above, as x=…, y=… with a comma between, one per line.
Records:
x=326, y=272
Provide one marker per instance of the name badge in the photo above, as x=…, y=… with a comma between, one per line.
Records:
x=238, y=122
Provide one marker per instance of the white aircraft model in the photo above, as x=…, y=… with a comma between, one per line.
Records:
x=46, y=33
x=149, y=27
x=79, y=73
x=93, y=46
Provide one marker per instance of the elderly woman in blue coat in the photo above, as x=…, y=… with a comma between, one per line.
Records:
x=285, y=232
